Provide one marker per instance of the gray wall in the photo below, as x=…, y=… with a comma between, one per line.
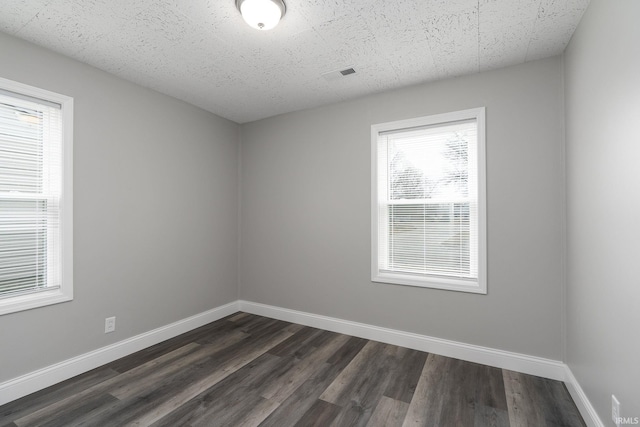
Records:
x=603, y=184
x=305, y=217
x=155, y=212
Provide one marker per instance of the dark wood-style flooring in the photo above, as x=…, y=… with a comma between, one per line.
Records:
x=247, y=370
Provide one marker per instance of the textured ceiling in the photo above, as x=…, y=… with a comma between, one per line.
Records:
x=202, y=52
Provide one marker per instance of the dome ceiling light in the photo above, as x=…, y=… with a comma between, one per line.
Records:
x=261, y=14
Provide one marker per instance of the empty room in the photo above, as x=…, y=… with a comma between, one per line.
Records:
x=319, y=213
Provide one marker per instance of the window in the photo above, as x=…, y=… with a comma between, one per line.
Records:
x=36, y=266
x=428, y=202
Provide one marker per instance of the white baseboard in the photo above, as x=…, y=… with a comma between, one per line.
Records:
x=53, y=374
x=532, y=365
x=587, y=411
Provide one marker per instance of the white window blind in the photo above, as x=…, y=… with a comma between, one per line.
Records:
x=31, y=153
x=427, y=201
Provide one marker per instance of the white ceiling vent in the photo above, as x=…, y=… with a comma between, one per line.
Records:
x=339, y=74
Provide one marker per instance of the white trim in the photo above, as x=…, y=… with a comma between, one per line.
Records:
x=14, y=304
x=587, y=410
x=532, y=365
x=37, y=380
x=436, y=282
x=66, y=200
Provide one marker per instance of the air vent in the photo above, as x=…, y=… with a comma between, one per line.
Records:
x=339, y=74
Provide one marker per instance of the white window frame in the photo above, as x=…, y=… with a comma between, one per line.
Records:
x=478, y=286
x=63, y=293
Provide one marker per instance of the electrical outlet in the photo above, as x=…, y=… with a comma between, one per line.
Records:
x=109, y=324
x=615, y=410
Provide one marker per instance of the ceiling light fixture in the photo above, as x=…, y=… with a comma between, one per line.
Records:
x=261, y=14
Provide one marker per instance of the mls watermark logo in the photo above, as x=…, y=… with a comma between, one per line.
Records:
x=627, y=420
x=615, y=414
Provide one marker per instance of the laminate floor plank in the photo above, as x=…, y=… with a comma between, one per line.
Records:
x=238, y=316
x=213, y=400
x=213, y=365
x=490, y=401
x=221, y=404
x=539, y=401
x=257, y=414
x=490, y=391
x=71, y=402
x=50, y=395
x=440, y=397
x=388, y=413
x=556, y=397
x=279, y=389
x=140, y=357
x=461, y=388
x=274, y=385
x=182, y=370
x=157, y=402
x=347, y=352
x=248, y=370
x=213, y=337
x=358, y=374
x=291, y=345
x=296, y=405
x=260, y=326
x=487, y=416
x=361, y=388
x=214, y=329
x=86, y=409
x=250, y=321
x=522, y=400
x=221, y=368
x=95, y=417
x=320, y=414
x=238, y=413
x=317, y=341
x=404, y=380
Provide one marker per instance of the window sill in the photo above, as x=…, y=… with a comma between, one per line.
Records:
x=34, y=300
x=469, y=286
